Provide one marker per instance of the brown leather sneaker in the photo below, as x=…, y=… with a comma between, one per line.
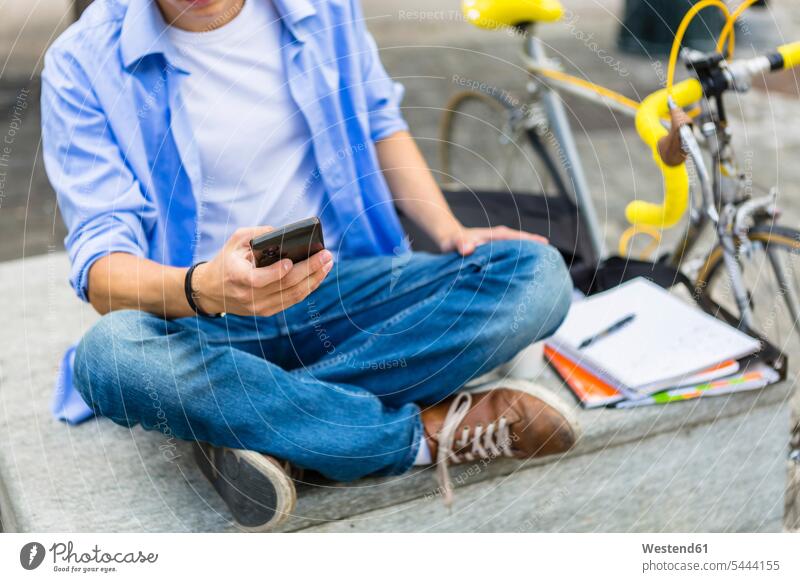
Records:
x=498, y=422
x=257, y=489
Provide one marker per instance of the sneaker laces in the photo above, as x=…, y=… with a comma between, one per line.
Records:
x=488, y=442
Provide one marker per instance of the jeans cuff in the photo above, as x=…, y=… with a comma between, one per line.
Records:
x=407, y=461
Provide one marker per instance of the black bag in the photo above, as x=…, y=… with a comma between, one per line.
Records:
x=614, y=271
x=555, y=217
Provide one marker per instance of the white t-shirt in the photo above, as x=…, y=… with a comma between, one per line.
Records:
x=256, y=155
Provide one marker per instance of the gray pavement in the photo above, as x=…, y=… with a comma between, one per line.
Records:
x=26, y=29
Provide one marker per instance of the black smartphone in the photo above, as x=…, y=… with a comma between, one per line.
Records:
x=296, y=241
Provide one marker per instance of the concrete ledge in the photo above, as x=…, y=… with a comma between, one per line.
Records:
x=691, y=480
x=102, y=477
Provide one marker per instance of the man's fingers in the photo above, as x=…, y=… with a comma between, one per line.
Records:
x=305, y=286
x=465, y=246
x=506, y=233
x=260, y=277
x=284, y=274
x=287, y=296
x=475, y=237
x=305, y=269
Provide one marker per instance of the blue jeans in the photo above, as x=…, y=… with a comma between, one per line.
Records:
x=335, y=382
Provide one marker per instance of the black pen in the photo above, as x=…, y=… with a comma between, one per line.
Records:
x=614, y=327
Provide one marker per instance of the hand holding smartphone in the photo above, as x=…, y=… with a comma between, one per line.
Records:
x=296, y=241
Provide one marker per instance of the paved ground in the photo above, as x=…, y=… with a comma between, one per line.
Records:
x=26, y=29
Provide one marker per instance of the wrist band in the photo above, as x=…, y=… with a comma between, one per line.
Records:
x=187, y=289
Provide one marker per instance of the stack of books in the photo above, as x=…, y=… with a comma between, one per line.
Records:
x=637, y=344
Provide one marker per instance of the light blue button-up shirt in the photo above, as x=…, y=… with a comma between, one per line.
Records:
x=120, y=153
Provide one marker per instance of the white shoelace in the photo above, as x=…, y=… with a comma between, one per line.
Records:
x=488, y=442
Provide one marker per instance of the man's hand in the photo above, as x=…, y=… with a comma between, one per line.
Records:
x=231, y=283
x=465, y=240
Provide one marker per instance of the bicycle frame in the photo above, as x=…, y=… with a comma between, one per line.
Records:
x=714, y=192
x=554, y=107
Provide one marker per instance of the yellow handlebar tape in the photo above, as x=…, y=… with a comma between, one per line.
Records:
x=676, y=179
x=791, y=54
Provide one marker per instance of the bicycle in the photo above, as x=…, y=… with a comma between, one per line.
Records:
x=749, y=262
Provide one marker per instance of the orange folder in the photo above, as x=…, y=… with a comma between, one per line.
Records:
x=590, y=390
x=594, y=392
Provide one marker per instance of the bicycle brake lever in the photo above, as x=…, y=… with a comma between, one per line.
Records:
x=671, y=146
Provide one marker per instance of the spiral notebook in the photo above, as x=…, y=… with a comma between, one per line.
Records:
x=668, y=343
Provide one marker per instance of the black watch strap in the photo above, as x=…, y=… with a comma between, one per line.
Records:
x=187, y=289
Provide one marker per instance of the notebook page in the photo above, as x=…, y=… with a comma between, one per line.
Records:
x=668, y=338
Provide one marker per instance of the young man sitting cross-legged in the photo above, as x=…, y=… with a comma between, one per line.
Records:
x=171, y=128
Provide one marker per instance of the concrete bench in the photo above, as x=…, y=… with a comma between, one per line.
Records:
x=708, y=465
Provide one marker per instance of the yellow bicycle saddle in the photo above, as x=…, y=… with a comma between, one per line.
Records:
x=500, y=13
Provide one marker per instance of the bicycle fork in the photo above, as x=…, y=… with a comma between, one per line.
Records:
x=730, y=258
x=725, y=228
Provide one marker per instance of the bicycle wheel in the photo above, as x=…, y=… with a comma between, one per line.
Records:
x=484, y=145
x=771, y=274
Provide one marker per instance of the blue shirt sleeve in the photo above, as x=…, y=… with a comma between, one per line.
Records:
x=383, y=94
x=100, y=201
